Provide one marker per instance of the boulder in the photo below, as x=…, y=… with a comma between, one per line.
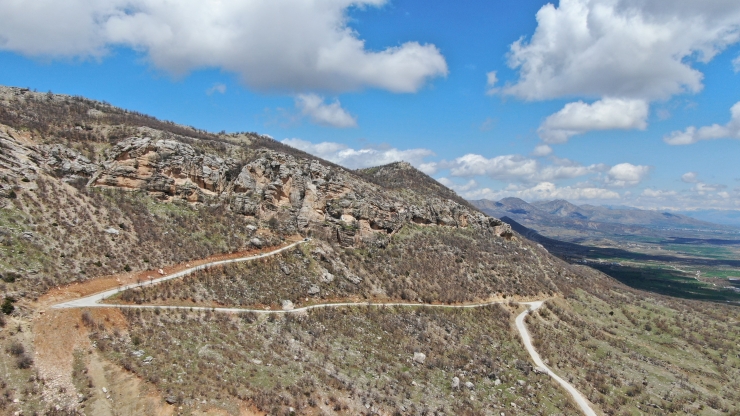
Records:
x=314, y=290
x=288, y=305
x=326, y=277
x=419, y=357
x=455, y=383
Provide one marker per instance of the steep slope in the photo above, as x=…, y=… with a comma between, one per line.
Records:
x=82, y=199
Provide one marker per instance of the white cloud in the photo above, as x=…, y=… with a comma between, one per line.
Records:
x=544, y=191
x=542, y=150
x=638, y=49
x=692, y=135
x=216, y=88
x=290, y=45
x=491, y=80
x=517, y=168
x=499, y=167
x=626, y=174
x=332, y=115
x=736, y=64
x=689, y=177
x=657, y=193
x=579, y=117
x=469, y=186
x=703, y=188
x=363, y=158
x=698, y=197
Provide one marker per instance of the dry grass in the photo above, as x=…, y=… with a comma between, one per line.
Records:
x=633, y=354
x=337, y=361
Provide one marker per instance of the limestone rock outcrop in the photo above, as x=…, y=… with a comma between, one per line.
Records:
x=301, y=195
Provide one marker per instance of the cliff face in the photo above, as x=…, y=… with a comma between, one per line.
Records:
x=304, y=195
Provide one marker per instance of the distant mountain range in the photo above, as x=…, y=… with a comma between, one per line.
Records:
x=718, y=216
x=564, y=220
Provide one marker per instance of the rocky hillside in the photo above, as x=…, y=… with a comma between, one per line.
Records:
x=88, y=189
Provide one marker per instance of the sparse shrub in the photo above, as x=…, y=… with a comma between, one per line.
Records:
x=16, y=348
x=24, y=362
x=87, y=319
x=7, y=306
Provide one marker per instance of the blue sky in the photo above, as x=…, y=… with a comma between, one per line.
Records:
x=621, y=102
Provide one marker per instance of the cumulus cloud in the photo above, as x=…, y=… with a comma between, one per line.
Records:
x=736, y=64
x=698, y=197
x=363, y=158
x=704, y=188
x=692, y=134
x=542, y=150
x=690, y=177
x=332, y=115
x=292, y=45
x=498, y=167
x=544, y=191
x=517, y=168
x=658, y=193
x=491, y=80
x=626, y=174
x=579, y=117
x=638, y=49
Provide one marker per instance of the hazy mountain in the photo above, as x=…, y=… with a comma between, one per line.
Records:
x=564, y=220
x=717, y=216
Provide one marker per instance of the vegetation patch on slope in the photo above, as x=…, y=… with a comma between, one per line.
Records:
x=357, y=360
x=420, y=264
x=630, y=354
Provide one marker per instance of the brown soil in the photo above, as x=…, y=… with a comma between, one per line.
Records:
x=58, y=333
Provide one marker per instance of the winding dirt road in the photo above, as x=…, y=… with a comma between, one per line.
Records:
x=94, y=301
x=582, y=402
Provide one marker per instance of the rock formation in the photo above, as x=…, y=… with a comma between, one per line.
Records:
x=302, y=195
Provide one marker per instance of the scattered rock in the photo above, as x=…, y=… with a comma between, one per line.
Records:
x=251, y=227
x=419, y=357
x=105, y=390
x=326, y=277
x=353, y=277
x=455, y=383
x=111, y=230
x=314, y=290
x=469, y=385
x=497, y=382
x=288, y=305
x=256, y=361
x=170, y=399
x=256, y=242
x=540, y=370
x=148, y=359
x=521, y=382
